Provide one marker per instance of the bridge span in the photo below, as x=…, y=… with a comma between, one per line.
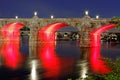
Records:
x=85, y=25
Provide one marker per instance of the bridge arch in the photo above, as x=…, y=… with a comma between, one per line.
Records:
x=95, y=34
x=11, y=30
x=10, y=49
x=47, y=33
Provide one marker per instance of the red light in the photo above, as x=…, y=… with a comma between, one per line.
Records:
x=52, y=64
x=47, y=54
x=97, y=65
x=11, y=54
x=49, y=60
x=11, y=31
x=95, y=35
x=47, y=33
x=10, y=48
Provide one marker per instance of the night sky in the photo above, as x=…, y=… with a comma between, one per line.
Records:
x=59, y=8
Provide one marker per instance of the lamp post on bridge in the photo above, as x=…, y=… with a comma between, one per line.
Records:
x=35, y=13
x=98, y=24
x=97, y=16
x=51, y=16
x=16, y=17
x=86, y=13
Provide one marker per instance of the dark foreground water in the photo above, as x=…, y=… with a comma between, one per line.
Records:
x=64, y=60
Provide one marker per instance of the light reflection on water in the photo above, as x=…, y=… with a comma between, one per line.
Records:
x=56, y=66
x=34, y=73
x=61, y=61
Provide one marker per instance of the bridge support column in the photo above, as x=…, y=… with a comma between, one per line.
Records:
x=33, y=37
x=33, y=46
x=85, y=29
x=84, y=39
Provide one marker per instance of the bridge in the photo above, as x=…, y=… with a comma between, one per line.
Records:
x=85, y=25
x=35, y=23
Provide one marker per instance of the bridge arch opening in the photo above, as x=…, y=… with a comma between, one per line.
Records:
x=111, y=35
x=25, y=31
x=67, y=33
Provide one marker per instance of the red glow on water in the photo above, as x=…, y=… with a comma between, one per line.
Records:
x=49, y=60
x=97, y=65
x=47, y=33
x=47, y=54
x=52, y=64
x=95, y=35
x=11, y=54
x=10, y=48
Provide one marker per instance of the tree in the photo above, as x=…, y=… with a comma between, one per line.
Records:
x=114, y=75
x=116, y=20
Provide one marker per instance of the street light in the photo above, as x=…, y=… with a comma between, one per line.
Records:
x=97, y=16
x=35, y=13
x=16, y=17
x=52, y=16
x=86, y=12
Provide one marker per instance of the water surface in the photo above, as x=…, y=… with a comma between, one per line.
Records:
x=62, y=60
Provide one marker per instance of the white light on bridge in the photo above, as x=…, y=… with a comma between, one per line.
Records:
x=16, y=17
x=52, y=16
x=86, y=12
x=97, y=16
x=35, y=13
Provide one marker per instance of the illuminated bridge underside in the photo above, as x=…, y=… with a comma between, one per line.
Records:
x=12, y=30
x=47, y=33
x=95, y=35
x=10, y=48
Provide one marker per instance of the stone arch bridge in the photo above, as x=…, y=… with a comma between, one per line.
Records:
x=85, y=24
x=36, y=22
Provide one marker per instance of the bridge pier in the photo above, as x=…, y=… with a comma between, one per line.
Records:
x=84, y=43
x=33, y=37
x=84, y=31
